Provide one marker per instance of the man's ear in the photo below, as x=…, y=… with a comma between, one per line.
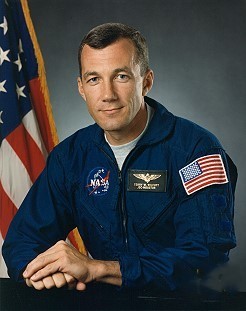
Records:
x=148, y=82
x=80, y=88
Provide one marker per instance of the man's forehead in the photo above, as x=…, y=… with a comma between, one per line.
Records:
x=123, y=45
x=120, y=54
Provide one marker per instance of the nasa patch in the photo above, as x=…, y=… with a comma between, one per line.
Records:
x=98, y=181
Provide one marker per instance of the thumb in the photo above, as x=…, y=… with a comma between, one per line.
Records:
x=80, y=286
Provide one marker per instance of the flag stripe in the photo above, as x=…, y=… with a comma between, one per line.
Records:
x=3, y=268
x=209, y=157
x=204, y=176
x=7, y=211
x=211, y=181
x=14, y=176
x=210, y=164
x=27, y=150
x=210, y=160
x=76, y=240
x=31, y=125
x=205, y=180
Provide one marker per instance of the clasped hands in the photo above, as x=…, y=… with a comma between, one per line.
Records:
x=60, y=265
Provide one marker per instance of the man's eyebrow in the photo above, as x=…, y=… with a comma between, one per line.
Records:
x=125, y=68
x=90, y=73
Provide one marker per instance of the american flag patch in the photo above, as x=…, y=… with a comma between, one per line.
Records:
x=203, y=172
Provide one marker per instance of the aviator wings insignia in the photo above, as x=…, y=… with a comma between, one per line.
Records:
x=147, y=177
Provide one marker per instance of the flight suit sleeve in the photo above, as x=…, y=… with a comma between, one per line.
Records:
x=44, y=217
x=204, y=235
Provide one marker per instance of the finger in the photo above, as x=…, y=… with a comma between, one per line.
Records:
x=55, y=280
x=49, y=269
x=28, y=282
x=71, y=281
x=48, y=282
x=81, y=286
x=37, y=264
x=60, y=262
x=44, y=258
x=59, y=279
x=39, y=285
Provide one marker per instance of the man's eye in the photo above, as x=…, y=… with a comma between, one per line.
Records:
x=93, y=80
x=122, y=77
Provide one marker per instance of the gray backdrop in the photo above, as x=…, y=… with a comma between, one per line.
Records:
x=197, y=52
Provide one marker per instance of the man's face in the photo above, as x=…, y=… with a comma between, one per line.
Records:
x=113, y=88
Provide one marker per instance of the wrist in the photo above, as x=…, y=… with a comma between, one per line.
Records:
x=105, y=272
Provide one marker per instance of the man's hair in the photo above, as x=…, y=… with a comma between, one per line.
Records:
x=106, y=34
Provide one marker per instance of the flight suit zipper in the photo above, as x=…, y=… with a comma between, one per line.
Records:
x=121, y=193
x=121, y=201
x=123, y=212
x=122, y=205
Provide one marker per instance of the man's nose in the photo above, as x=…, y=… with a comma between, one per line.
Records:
x=109, y=92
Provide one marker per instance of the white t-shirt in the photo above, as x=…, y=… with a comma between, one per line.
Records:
x=121, y=151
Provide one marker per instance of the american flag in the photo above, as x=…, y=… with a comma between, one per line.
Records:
x=27, y=129
x=203, y=172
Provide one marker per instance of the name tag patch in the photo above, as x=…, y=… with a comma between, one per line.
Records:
x=147, y=180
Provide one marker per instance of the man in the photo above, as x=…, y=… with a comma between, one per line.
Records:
x=151, y=193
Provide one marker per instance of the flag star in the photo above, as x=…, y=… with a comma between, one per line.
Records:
x=1, y=121
x=4, y=25
x=19, y=91
x=3, y=56
x=2, y=88
x=20, y=46
x=18, y=63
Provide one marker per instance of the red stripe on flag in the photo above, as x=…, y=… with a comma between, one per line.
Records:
x=7, y=211
x=209, y=182
x=71, y=238
x=209, y=158
x=196, y=180
x=75, y=239
x=27, y=150
x=210, y=164
x=38, y=101
x=218, y=178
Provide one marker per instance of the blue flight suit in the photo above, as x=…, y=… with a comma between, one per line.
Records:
x=141, y=216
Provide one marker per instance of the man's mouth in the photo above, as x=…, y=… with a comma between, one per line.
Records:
x=110, y=111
